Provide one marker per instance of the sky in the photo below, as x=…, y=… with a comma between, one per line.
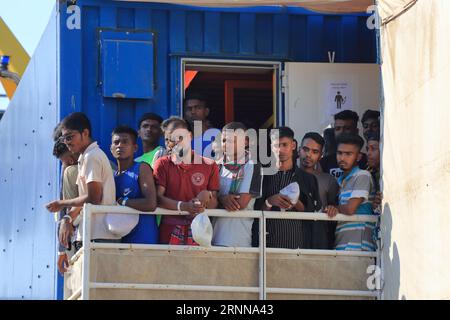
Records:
x=27, y=19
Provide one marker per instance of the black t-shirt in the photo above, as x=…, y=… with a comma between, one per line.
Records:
x=329, y=165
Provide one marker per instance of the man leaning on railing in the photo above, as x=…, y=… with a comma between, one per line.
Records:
x=135, y=188
x=95, y=180
x=185, y=181
x=356, y=186
x=287, y=233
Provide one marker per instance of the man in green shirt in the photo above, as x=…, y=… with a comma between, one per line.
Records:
x=150, y=132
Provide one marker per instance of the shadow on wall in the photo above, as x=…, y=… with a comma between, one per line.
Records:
x=391, y=266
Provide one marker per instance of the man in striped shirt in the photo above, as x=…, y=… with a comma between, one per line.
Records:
x=356, y=187
x=287, y=233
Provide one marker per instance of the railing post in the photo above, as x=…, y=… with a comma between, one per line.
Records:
x=262, y=257
x=86, y=251
x=380, y=260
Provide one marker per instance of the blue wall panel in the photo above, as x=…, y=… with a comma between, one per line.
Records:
x=367, y=49
x=127, y=56
x=247, y=33
x=333, y=38
x=103, y=108
x=298, y=37
x=230, y=33
x=349, y=40
x=142, y=19
x=160, y=23
x=125, y=18
x=212, y=32
x=264, y=33
x=281, y=27
x=316, y=47
x=177, y=27
x=194, y=31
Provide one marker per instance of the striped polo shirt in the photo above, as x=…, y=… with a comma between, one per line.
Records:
x=356, y=236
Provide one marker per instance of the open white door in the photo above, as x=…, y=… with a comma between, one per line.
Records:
x=312, y=98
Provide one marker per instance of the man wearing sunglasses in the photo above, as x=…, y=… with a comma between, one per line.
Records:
x=185, y=181
x=95, y=181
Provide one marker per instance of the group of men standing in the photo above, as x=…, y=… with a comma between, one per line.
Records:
x=188, y=174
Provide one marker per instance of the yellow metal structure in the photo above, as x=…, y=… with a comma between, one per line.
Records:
x=10, y=46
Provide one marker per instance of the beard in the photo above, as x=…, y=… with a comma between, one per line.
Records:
x=307, y=163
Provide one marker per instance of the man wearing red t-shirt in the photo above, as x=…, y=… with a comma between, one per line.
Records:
x=185, y=181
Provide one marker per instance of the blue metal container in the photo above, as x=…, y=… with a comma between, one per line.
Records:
x=115, y=61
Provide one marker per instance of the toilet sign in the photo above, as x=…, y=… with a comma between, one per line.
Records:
x=339, y=96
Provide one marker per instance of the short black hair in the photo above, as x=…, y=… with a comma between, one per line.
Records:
x=59, y=148
x=370, y=114
x=57, y=132
x=127, y=130
x=179, y=123
x=347, y=115
x=150, y=116
x=284, y=132
x=316, y=137
x=234, y=126
x=350, y=138
x=77, y=121
x=195, y=95
x=373, y=136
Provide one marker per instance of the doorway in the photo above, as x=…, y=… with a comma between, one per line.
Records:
x=244, y=91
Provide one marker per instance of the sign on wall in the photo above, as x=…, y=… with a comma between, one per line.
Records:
x=315, y=92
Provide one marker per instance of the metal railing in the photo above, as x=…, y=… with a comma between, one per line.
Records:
x=89, y=210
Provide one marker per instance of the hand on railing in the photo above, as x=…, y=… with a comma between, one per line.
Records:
x=331, y=211
x=230, y=202
x=204, y=197
x=194, y=206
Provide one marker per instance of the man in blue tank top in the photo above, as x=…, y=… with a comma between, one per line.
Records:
x=135, y=186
